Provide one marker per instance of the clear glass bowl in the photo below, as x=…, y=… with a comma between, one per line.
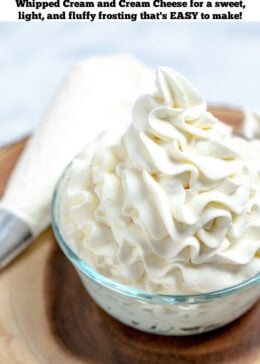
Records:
x=152, y=312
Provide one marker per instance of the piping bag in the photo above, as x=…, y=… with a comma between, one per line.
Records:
x=97, y=95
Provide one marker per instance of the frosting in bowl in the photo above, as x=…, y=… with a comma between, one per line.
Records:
x=170, y=206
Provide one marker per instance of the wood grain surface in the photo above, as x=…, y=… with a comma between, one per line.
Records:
x=46, y=316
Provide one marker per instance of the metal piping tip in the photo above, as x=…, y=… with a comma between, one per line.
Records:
x=15, y=236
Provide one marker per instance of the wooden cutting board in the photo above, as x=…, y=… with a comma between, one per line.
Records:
x=47, y=317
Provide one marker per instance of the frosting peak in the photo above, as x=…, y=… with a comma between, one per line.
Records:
x=178, y=93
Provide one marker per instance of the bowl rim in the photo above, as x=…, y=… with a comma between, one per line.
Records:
x=133, y=292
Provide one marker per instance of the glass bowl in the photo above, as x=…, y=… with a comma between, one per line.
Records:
x=152, y=312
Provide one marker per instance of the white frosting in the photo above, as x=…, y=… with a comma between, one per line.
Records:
x=251, y=124
x=172, y=205
x=97, y=94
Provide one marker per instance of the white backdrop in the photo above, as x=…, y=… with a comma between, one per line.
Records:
x=221, y=59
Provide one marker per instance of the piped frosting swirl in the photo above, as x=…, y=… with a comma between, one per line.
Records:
x=173, y=204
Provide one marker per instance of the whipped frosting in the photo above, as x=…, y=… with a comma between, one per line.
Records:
x=173, y=204
x=251, y=124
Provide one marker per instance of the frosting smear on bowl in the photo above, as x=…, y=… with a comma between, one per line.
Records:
x=172, y=205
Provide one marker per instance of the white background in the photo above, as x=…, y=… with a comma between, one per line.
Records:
x=221, y=59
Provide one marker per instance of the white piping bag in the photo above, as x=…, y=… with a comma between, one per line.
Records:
x=97, y=95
